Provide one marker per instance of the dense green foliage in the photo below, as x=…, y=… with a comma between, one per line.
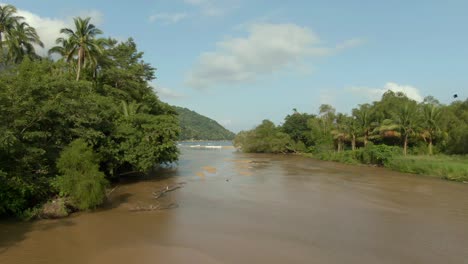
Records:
x=111, y=115
x=80, y=177
x=198, y=127
x=265, y=138
x=381, y=133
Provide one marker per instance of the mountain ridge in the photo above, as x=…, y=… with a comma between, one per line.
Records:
x=195, y=126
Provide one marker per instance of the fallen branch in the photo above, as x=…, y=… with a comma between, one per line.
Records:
x=109, y=193
x=168, y=188
x=153, y=207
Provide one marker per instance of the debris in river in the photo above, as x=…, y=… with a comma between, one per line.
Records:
x=153, y=207
x=168, y=188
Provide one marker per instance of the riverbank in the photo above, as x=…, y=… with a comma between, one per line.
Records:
x=453, y=168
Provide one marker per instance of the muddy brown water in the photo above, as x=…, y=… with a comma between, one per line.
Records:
x=246, y=208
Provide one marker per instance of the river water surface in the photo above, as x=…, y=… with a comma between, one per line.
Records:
x=252, y=208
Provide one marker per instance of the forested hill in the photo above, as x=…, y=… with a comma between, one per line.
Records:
x=199, y=127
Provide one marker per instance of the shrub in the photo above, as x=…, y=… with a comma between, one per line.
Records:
x=81, y=178
x=377, y=154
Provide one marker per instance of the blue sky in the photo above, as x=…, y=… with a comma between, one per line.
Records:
x=240, y=61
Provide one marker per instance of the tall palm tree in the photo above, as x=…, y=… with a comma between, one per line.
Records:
x=364, y=120
x=22, y=42
x=340, y=131
x=430, y=124
x=407, y=118
x=83, y=42
x=352, y=129
x=8, y=20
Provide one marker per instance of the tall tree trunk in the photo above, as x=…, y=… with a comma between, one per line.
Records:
x=365, y=139
x=353, y=142
x=405, y=145
x=430, y=145
x=80, y=54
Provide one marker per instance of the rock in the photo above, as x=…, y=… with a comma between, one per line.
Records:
x=56, y=208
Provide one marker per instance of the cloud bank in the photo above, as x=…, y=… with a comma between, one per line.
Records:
x=266, y=49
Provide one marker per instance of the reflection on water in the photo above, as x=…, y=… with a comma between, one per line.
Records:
x=253, y=208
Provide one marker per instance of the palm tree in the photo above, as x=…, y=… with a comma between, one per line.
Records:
x=340, y=131
x=83, y=42
x=8, y=20
x=130, y=109
x=352, y=129
x=407, y=119
x=64, y=48
x=22, y=41
x=430, y=124
x=363, y=120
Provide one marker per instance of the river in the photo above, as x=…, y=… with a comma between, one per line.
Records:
x=254, y=208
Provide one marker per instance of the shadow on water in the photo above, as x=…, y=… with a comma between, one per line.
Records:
x=12, y=231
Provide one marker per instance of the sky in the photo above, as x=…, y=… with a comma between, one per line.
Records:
x=240, y=62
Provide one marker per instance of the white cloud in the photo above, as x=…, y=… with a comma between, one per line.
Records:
x=267, y=49
x=376, y=93
x=167, y=93
x=209, y=7
x=48, y=28
x=168, y=18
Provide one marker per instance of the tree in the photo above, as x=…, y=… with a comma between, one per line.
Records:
x=22, y=41
x=430, y=124
x=352, y=129
x=265, y=138
x=81, y=178
x=295, y=125
x=363, y=117
x=407, y=118
x=8, y=21
x=340, y=130
x=83, y=42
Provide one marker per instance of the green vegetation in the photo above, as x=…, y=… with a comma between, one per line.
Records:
x=69, y=126
x=81, y=179
x=395, y=132
x=265, y=138
x=197, y=127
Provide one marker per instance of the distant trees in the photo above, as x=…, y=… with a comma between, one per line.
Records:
x=265, y=138
x=394, y=120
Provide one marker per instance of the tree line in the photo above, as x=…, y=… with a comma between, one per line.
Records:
x=372, y=133
x=71, y=124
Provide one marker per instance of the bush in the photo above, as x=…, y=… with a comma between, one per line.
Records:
x=81, y=178
x=377, y=154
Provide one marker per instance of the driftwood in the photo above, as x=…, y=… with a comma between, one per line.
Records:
x=168, y=188
x=153, y=207
x=108, y=193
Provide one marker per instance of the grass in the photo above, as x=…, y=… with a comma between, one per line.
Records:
x=454, y=168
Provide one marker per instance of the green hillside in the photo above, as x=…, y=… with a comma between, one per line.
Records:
x=198, y=127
